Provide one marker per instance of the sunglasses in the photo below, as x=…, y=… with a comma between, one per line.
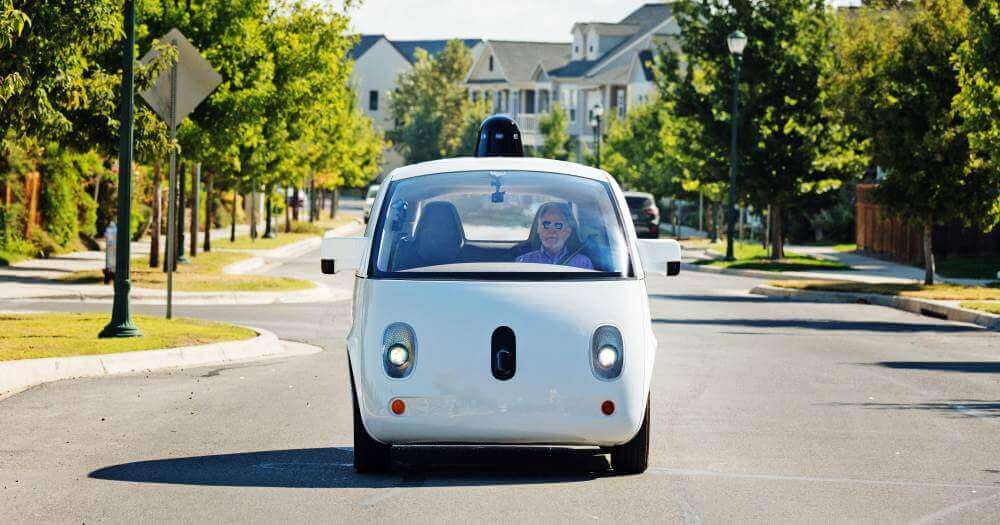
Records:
x=548, y=225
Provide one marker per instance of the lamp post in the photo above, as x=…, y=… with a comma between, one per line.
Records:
x=737, y=41
x=595, y=123
x=121, y=316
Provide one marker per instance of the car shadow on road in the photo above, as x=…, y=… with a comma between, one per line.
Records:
x=956, y=408
x=333, y=468
x=714, y=298
x=829, y=325
x=968, y=367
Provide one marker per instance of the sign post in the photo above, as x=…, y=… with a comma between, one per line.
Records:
x=121, y=312
x=173, y=97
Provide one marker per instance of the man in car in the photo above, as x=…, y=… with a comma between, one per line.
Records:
x=555, y=225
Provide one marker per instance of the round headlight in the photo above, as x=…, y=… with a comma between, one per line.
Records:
x=398, y=355
x=607, y=356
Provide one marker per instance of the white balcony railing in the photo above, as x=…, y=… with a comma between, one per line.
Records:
x=528, y=122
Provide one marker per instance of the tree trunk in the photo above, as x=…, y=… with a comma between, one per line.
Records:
x=929, y=251
x=765, y=221
x=181, y=201
x=209, y=208
x=232, y=224
x=312, y=198
x=154, y=234
x=288, y=210
x=195, y=195
x=777, y=233
x=295, y=205
x=334, y=202
x=268, y=231
x=713, y=230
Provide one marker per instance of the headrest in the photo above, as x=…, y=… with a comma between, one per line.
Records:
x=439, y=235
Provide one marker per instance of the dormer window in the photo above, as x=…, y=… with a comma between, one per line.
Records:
x=591, y=49
x=491, y=63
x=576, y=49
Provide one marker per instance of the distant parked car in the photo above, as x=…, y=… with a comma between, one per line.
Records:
x=645, y=214
x=370, y=200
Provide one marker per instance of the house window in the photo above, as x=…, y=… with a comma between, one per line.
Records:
x=591, y=49
x=529, y=101
x=373, y=100
x=576, y=49
x=491, y=63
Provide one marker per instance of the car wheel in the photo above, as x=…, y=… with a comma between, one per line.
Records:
x=370, y=456
x=633, y=457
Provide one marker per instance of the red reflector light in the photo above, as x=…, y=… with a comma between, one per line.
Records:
x=398, y=407
x=608, y=408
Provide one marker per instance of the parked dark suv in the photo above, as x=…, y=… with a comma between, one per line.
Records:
x=645, y=215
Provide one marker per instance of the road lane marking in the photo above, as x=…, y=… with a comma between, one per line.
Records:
x=778, y=477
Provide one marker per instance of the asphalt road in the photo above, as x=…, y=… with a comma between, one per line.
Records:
x=763, y=411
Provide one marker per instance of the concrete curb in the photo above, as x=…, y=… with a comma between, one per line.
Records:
x=17, y=376
x=909, y=304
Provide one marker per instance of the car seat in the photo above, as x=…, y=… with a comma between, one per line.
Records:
x=438, y=237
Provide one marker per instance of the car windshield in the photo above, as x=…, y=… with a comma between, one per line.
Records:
x=518, y=224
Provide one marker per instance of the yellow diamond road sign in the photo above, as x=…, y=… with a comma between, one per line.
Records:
x=195, y=79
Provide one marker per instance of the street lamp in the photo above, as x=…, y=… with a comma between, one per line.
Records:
x=595, y=123
x=737, y=41
x=121, y=316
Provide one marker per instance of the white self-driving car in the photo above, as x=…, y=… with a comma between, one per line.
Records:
x=501, y=301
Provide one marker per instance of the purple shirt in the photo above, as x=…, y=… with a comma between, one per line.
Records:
x=540, y=256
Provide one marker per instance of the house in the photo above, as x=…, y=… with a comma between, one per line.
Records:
x=378, y=62
x=606, y=63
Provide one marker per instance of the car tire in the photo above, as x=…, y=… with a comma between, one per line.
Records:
x=633, y=457
x=370, y=456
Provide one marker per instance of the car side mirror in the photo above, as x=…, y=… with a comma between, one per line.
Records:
x=662, y=256
x=339, y=254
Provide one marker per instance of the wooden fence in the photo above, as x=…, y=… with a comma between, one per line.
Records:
x=878, y=232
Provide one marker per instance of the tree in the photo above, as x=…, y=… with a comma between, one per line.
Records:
x=788, y=143
x=898, y=88
x=978, y=103
x=432, y=108
x=553, y=126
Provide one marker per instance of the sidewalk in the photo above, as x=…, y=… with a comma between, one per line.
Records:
x=41, y=278
x=872, y=268
x=865, y=269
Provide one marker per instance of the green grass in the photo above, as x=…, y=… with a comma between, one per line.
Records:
x=969, y=267
x=203, y=274
x=9, y=258
x=990, y=308
x=943, y=292
x=845, y=247
x=244, y=242
x=32, y=336
x=301, y=230
x=752, y=256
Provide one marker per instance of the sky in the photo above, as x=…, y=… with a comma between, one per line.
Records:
x=537, y=20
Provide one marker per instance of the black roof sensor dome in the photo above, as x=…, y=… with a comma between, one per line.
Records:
x=499, y=136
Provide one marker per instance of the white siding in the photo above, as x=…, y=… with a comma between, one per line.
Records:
x=377, y=70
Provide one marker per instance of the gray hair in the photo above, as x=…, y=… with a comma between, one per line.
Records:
x=559, y=208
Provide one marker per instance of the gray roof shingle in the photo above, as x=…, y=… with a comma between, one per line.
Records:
x=407, y=48
x=518, y=59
